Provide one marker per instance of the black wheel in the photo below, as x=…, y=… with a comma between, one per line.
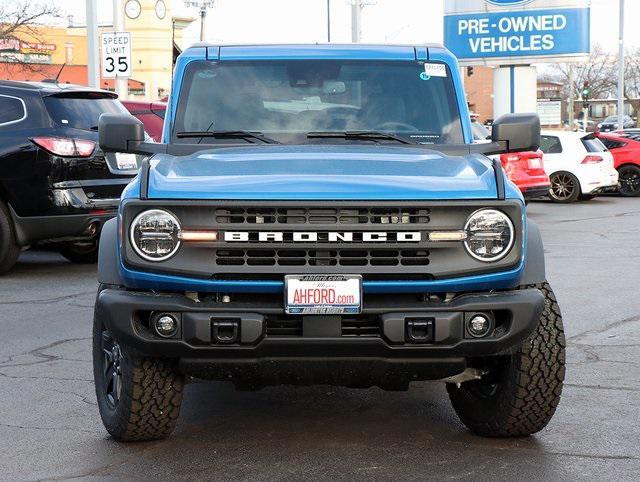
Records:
x=139, y=398
x=80, y=252
x=519, y=392
x=629, y=180
x=565, y=187
x=9, y=249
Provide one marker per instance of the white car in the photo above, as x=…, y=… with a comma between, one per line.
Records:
x=579, y=166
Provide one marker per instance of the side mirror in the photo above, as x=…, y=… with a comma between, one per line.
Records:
x=517, y=132
x=119, y=132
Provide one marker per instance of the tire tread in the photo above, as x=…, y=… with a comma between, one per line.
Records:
x=530, y=398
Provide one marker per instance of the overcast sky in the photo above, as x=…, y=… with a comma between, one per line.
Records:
x=388, y=21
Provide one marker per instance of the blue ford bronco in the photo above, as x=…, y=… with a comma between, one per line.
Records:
x=319, y=214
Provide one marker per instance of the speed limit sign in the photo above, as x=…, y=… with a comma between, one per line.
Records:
x=116, y=54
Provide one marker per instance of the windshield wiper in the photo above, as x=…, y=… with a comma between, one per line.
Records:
x=228, y=135
x=365, y=135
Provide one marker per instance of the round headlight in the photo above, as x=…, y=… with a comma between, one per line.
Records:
x=155, y=235
x=490, y=235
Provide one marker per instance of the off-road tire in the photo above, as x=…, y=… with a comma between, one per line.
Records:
x=9, y=249
x=521, y=395
x=80, y=253
x=150, y=395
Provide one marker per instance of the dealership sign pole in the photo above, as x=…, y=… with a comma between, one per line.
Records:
x=513, y=34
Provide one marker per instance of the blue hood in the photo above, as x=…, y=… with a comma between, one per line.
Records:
x=305, y=172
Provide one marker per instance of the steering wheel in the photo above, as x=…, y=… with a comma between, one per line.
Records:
x=392, y=125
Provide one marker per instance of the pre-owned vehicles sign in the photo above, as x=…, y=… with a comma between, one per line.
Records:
x=115, y=48
x=503, y=30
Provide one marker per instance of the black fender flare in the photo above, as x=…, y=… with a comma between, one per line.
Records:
x=534, y=269
x=108, y=262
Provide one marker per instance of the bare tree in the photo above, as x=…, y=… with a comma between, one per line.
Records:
x=19, y=24
x=632, y=80
x=599, y=71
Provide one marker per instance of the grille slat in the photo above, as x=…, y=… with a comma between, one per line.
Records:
x=325, y=216
x=314, y=257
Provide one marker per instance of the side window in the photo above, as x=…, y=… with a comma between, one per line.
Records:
x=12, y=109
x=611, y=144
x=550, y=145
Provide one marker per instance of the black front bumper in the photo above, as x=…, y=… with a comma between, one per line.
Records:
x=276, y=348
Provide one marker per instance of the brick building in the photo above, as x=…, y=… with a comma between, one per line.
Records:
x=479, y=89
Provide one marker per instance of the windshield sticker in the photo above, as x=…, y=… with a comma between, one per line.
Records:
x=424, y=76
x=435, y=70
x=206, y=74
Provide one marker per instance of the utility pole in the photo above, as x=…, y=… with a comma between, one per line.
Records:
x=621, y=67
x=328, y=21
x=356, y=12
x=203, y=5
x=121, y=83
x=572, y=95
x=93, y=67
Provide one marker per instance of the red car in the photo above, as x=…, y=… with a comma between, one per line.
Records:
x=625, y=148
x=526, y=170
x=151, y=114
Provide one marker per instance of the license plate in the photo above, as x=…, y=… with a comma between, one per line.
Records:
x=126, y=161
x=323, y=294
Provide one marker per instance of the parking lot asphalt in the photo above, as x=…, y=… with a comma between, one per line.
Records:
x=50, y=427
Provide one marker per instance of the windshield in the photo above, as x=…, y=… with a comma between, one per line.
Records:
x=286, y=100
x=81, y=111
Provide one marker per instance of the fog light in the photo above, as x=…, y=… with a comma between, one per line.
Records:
x=478, y=326
x=165, y=325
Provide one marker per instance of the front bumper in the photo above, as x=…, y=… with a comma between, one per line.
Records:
x=271, y=343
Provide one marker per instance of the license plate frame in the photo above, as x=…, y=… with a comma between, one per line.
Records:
x=315, y=282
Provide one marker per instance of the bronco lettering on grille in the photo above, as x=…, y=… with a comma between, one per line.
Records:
x=322, y=236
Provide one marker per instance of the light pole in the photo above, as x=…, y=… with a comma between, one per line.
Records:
x=93, y=67
x=203, y=5
x=356, y=13
x=329, y=21
x=121, y=83
x=621, y=68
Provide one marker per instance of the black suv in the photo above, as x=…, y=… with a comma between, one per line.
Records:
x=56, y=185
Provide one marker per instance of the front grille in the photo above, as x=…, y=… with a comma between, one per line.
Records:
x=326, y=216
x=379, y=240
x=322, y=257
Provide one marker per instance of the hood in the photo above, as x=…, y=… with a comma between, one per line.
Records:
x=304, y=172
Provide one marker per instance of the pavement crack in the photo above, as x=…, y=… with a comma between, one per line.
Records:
x=57, y=379
x=33, y=427
x=39, y=353
x=604, y=328
x=48, y=300
x=601, y=387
